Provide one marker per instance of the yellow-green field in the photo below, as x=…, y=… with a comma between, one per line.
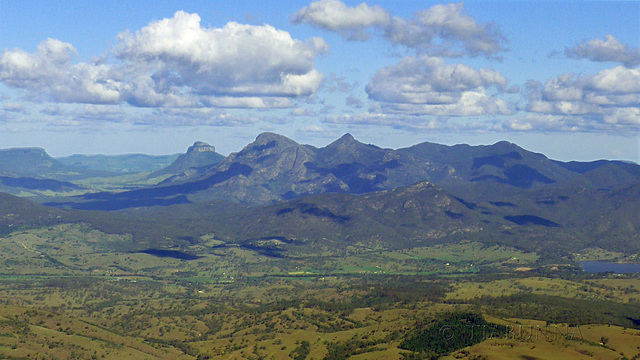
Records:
x=533, y=340
x=619, y=290
x=66, y=292
x=117, y=319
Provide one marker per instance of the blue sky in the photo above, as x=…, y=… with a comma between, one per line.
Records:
x=557, y=77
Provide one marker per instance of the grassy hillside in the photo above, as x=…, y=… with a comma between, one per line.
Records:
x=17, y=213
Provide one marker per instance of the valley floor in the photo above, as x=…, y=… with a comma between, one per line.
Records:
x=66, y=294
x=358, y=318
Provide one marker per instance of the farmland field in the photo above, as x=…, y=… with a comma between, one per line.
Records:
x=65, y=294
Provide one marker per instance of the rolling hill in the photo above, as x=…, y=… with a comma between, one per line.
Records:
x=17, y=213
x=555, y=223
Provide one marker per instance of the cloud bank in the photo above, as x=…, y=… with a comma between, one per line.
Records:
x=185, y=73
x=607, y=50
x=350, y=22
x=48, y=74
x=175, y=62
x=427, y=86
x=608, y=100
x=443, y=30
x=446, y=30
x=611, y=96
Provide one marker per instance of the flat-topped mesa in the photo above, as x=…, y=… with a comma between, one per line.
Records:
x=26, y=150
x=200, y=146
x=199, y=155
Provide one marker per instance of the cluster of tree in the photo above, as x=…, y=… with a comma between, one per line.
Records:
x=450, y=332
x=556, y=309
x=344, y=350
x=403, y=290
x=301, y=351
x=374, y=292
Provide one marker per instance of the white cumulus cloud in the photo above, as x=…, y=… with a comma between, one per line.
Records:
x=48, y=74
x=426, y=85
x=173, y=63
x=618, y=80
x=443, y=30
x=546, y=123
x=609, y=49
x=334, y=15
x=610, y=97
x=624, y=116
x=235, y=60
x=452, y=26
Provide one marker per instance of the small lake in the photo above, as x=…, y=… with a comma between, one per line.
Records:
x=607, y=266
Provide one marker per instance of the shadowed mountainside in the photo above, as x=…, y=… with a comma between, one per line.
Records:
x=274, y=168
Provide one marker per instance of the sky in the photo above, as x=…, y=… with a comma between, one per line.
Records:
x=557, y=77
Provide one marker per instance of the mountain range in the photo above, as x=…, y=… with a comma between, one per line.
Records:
x=278, y=196
x=31, y=172
x=274, y=168
x=35, y=162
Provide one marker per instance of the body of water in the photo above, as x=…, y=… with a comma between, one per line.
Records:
x=607, y=266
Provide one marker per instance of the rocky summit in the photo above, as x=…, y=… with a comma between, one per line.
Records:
x=199, y=155
x=200, y=146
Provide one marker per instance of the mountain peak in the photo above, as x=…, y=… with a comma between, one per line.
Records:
x=272, y=139
x=347, y=137
x=346, y=141
x=505, y=145
x=199, y=155
x=200, y=146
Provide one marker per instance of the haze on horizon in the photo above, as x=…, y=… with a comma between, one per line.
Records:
x=560, y=78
